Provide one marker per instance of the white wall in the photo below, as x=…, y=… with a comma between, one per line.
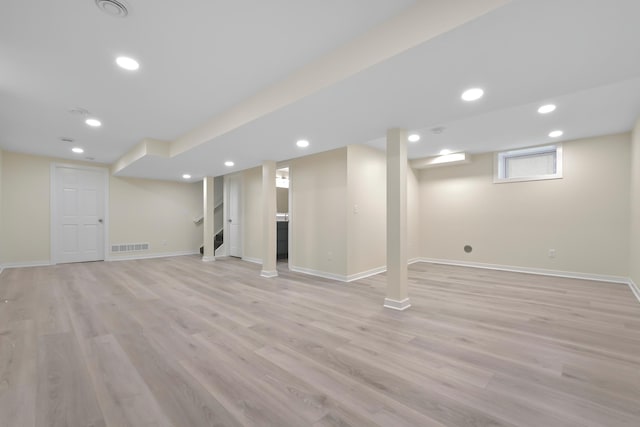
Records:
x=634, y=256
x=584, y=216
x=366, y=209
x=318, y=240
x=147, y=211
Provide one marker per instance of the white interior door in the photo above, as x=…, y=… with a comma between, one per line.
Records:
x=78, y=214
x=234, y=218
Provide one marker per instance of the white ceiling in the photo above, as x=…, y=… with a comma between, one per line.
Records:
x=199, y=61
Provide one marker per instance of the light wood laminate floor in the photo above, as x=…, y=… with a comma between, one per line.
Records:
x=178, y=342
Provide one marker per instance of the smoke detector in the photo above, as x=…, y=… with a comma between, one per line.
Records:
x=117, y=8
x=438, y=130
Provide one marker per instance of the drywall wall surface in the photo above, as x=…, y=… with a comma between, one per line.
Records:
x=160, y=213
x=366, y=209
x=634, y=256
x=583, y=217
x=318, y=240
x=413, y=215
x=1, y=238
x=218, y=212
x=282, y=200
x=25, y=208
x=252, y=213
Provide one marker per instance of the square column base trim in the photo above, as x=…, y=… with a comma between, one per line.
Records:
x=208, y=258
x=269, y=273
x=397, y=305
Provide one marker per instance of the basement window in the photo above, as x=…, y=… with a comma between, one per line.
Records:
x=528, y=164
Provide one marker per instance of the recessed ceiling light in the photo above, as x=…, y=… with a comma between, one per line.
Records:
x=229, y=163
x=556, y=134
x=93, y=122
x=127, y=63
x=546, y=109
x=186, y=176
x=77, y=150
x=302, y=143
x=445, y=152
x=414, y=137
x=472, y=94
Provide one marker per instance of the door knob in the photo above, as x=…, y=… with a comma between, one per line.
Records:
x=100, y=220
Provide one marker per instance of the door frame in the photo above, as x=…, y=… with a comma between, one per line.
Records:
x=55, y=215
x=227, y=207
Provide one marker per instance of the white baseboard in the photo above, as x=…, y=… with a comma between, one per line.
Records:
x=151, y=256
x=363, y=274
x=634, y=288
x=350, y=277
x=269, y=273
x=253, y=260
x=318, y=273
x=26, y=264
x=208, y=258
x=1, y=270
x=397, y=305
x=538, y=271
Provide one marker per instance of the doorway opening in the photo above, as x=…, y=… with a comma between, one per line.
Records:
x=282, y=216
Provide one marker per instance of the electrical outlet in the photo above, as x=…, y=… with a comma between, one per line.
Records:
x=552, y=253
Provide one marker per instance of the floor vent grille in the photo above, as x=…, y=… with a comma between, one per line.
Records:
x=130, y=247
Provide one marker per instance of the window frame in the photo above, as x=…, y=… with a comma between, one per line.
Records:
x=499, y=169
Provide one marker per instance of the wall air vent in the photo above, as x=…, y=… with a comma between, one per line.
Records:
x=117, y=8
x=130, y=247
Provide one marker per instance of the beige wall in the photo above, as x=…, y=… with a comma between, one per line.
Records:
x=252, y=213
x=25, y=216
x=147, y=211
x=366, y=209
x=634, y=256
x=319, y=222
x=584, y=216
x=160, y=213
x=413, y=215
x=1, y=237
x=282, y=200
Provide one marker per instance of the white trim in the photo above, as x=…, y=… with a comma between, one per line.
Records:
x=364, y=274
x=634, y=288
x=208, y=258
x=151, y=256
x=253, y=260
x=350, y=277
x=538, y=271
x=498, y=164
x=397, y=305
x=1, y=270
x=318, y=273
x=26, y=264
x=268, y=273
x=53, y=211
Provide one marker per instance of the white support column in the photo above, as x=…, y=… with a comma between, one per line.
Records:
x=269, y=219
x=397, y=286
x=208, y=197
